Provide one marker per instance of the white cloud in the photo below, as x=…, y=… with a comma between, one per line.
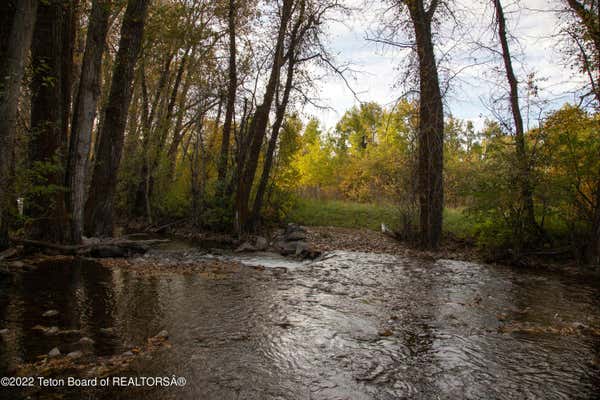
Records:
x=534, y=30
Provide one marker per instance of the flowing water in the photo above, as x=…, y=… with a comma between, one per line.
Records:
x=350, y=326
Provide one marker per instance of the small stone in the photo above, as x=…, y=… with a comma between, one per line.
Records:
x=55, y=352
x=579, y=325
x=162, y=334
x=75, y=355
x=50, y=313
x=17, y=264
x=53, y=330
x=385, y=333
x=107, y=331
x=86, y=340
x=128, y=353
x=4, y=332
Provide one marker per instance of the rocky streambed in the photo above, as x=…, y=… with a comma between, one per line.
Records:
x=257, y=325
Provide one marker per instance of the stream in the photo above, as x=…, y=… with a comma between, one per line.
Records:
x=348, y=326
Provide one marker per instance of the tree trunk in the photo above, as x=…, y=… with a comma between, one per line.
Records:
x=230, y=107
x=99, y=206
x=14, y=53
x=280, y=115
x=259, y=123
x=593, y=250
x=589, y=19
x=178, y=131
x=163, y=131
x=197, y=195
x=295, y=40
x=529, y=228
x=431, y=129
x=85, y=113
x=46, y=208
x=142, y=205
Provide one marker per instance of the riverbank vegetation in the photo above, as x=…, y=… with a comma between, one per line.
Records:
x=160, y=111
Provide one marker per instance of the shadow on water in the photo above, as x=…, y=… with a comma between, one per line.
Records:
x=351, y=326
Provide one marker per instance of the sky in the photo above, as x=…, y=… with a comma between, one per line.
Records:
x=534, y=27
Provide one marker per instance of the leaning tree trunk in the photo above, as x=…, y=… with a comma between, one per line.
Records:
x=229, y=110
x=524, y=179
x=142, y=205
x=163, y=131
x=99, y=206
x=14, y=52
x=46, y=208
x=85, y=113
x=258, y=126
x=268, y=163
x=431, y=129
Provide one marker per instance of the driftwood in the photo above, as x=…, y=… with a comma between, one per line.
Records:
x=98, y=249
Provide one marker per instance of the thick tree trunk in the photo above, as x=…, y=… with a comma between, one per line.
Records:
x=85, y=113
x=431, y=129
x=46, y=209
x=18, y=33
x=260, y=120
x=529, y=225
x=230, y=107
x=99, y=206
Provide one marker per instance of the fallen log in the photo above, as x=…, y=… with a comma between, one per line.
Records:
x=112, y=248
x=9, y=253
x=163, y=228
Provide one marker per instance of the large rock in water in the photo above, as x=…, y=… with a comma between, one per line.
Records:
x=293, y=243
x=260, y=244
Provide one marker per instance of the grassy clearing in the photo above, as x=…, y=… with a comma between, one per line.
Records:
x=342, y=214
x=357, y=215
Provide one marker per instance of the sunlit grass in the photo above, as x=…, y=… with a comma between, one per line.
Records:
x=342, y=214
x=347, y=214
